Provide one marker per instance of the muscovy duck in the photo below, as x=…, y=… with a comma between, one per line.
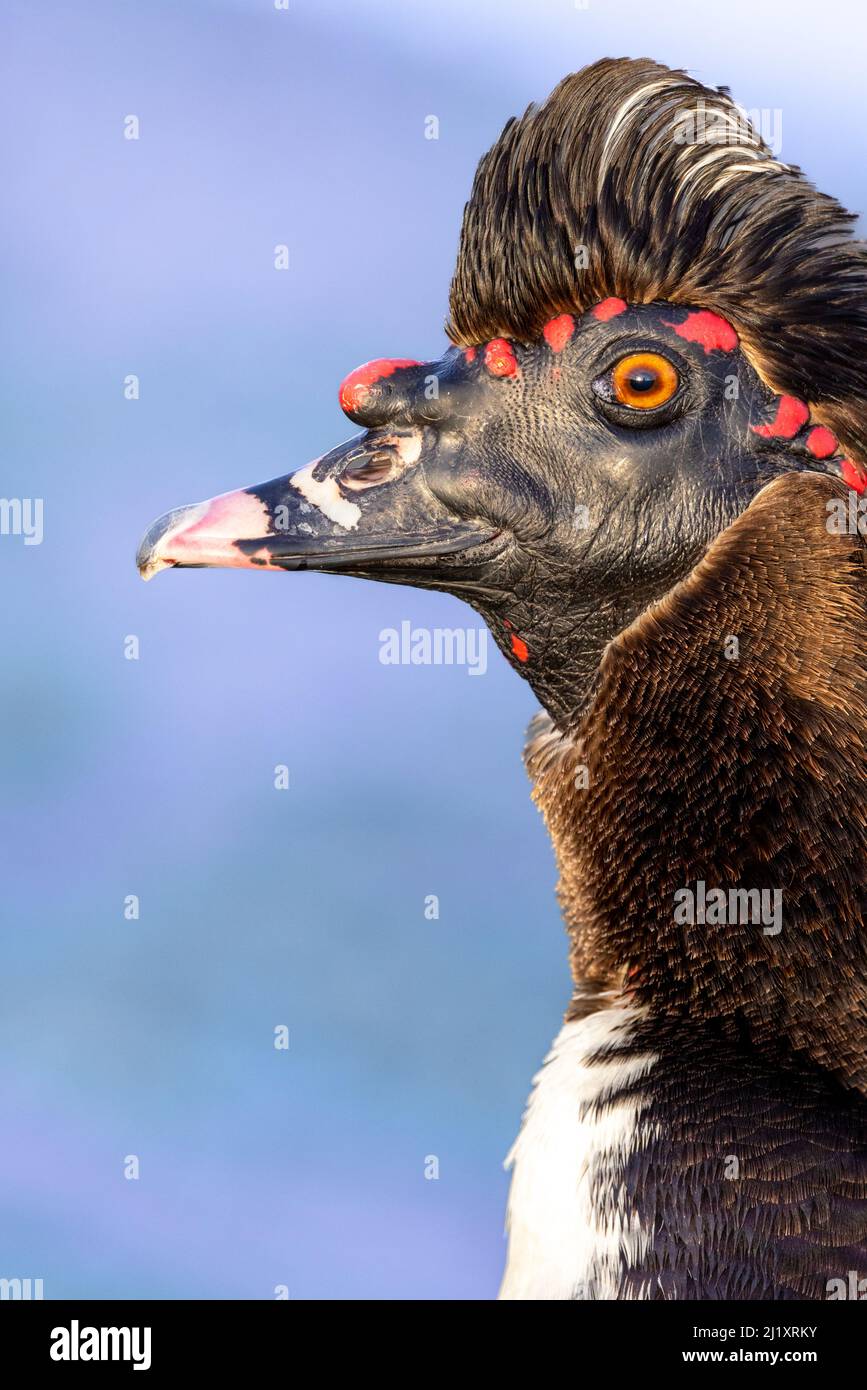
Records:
x=642, y=462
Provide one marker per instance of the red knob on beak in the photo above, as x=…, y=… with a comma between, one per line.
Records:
x=362, y=394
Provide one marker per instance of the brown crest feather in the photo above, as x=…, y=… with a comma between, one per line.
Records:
x=602, y=169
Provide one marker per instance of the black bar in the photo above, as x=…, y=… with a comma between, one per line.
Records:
x=232, y=1338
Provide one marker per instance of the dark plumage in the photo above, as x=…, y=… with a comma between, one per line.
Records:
x=752, y=772
x=659, y=219
x=620, y=469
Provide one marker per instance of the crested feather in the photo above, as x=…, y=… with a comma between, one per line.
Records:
x=600, y=171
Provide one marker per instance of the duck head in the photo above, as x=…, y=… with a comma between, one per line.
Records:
x=558, y=485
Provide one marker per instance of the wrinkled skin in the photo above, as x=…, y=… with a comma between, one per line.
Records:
x=511, y=476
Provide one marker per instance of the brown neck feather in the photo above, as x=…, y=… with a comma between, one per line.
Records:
x=738, y=767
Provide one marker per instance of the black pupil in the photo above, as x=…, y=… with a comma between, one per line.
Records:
x=642, y=379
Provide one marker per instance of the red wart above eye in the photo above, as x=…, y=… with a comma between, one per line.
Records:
x=500, y=358
x=791, y=415
x=557, y=332
x=710, y=331
x=852, y=477
x=609, y=309
x=821, y=443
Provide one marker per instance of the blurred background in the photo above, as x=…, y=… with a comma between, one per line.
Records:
x=408, y=1037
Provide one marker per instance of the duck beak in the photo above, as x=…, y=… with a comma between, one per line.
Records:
x=364, y=508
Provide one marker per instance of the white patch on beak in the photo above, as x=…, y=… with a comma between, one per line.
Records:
x=408, y=447
x=326, y=497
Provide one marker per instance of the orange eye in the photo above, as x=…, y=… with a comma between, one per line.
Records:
x=644, y=380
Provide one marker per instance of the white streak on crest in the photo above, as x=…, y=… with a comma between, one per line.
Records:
x=621, y=114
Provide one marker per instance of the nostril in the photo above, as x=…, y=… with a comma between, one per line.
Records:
x=369, y=471
x=380, y=458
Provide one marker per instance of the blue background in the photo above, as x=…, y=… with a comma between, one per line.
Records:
x=155, y=777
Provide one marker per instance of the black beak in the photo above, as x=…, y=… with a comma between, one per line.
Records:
x=393, y=503
x=363, y=505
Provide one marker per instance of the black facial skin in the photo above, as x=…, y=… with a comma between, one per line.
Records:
x=557, y=512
